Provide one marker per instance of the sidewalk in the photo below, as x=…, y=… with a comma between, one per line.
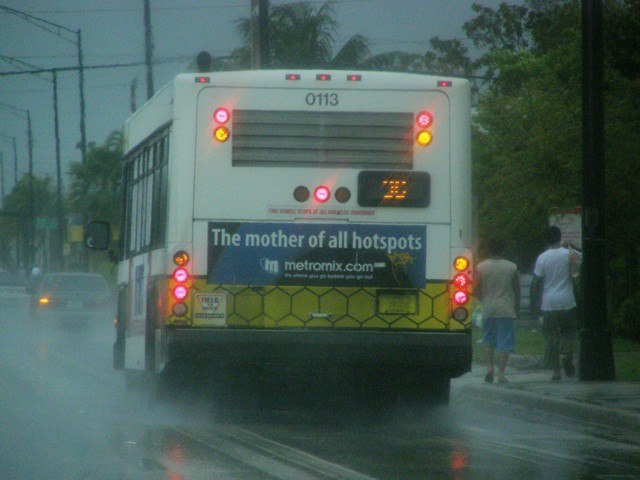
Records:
x=600, y=402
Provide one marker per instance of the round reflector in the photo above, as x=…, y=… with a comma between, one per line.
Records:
x=180, y=292
x=461, y=297
x=424, y=138
x=301, y=193
x=461, y=264
x=180, y=275
x=181, y=258
x=461, y=280
x=460, y=314
x=180, y=309
x=424, y=119
x=221, y=134
x=221, y=116
x=322, y=194
x=342, y=194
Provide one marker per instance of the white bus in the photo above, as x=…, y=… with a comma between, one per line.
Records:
x=297, y=217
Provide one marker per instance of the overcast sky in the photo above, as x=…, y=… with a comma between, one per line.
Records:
x=113, y=33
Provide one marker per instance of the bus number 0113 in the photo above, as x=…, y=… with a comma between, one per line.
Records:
x=322, y=99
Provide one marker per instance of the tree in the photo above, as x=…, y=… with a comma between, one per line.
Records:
x=301, y=35
x=95, y=190
x=527, y=131
x=16, y=212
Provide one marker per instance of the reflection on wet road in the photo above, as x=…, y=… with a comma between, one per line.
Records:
x=66, y=414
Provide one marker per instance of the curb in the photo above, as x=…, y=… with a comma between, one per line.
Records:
x=580, y=411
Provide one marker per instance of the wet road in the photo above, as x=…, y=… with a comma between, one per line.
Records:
x=67, y=415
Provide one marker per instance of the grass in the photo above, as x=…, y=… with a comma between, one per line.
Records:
x=530, y=342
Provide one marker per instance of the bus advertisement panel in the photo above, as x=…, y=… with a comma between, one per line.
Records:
x=345, y=255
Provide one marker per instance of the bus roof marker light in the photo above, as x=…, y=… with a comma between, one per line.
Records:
x=221, y=116
x=292, y=76
x=203, y=80
x=322, y=194
x=424, y=138
x=424, y=119
x=352, y=77
x=323, y=77
x=445, y=83
x=221, y=134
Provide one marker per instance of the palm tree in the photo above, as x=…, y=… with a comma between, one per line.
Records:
x=301, y=35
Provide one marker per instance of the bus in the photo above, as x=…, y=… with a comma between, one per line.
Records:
x=311, y=218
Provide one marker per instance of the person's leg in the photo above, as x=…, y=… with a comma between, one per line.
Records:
x=567, y=328
x=553, y=335
x=488, y=345
x=505, y=345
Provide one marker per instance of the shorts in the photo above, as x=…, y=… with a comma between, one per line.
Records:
x=560, y=327
x=499, y=334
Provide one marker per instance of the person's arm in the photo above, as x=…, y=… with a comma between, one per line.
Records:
x=575, y=261
x=477, y=290
x=535, y=295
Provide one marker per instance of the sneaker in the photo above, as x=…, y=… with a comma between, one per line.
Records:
x=488, y=377
x=569, y=367
x=503, y=380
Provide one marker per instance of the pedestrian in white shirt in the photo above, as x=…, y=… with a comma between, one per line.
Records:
x=552, y=285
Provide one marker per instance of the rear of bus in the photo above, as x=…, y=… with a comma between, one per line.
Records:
x=321, y=222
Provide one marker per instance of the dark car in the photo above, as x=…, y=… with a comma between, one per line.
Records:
x=73, y=296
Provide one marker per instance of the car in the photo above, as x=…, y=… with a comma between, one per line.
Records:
x=74, y=297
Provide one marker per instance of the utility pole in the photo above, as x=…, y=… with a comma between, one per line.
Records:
x=60, y=217
x=596, y=351
x=83, y=127
x=2, y=175
x=44, y=25
x=15, y=157
x=148, y=48
x=259, y=34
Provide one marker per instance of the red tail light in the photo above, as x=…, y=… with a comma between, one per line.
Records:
x=181, y=277
x=461, y=282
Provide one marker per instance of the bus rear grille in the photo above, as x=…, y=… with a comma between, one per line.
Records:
x=322, y=139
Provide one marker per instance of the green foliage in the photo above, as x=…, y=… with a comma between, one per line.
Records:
x=95, y=190
x=627, y=321
x=301, y=35
x=527, y=138
x=17, y=205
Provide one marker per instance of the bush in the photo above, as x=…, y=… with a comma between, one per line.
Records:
x=626, y=322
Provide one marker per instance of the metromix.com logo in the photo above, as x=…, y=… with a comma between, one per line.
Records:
x=270, y=266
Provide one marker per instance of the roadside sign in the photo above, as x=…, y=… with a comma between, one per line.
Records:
x=46, y=223
x=570, y=223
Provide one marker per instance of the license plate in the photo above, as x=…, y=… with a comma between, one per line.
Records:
x=398, y=303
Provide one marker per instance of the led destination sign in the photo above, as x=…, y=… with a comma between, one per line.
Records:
x=386, y=188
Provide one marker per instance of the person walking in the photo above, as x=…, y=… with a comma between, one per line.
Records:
x=553, y=295
x=498, y=288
